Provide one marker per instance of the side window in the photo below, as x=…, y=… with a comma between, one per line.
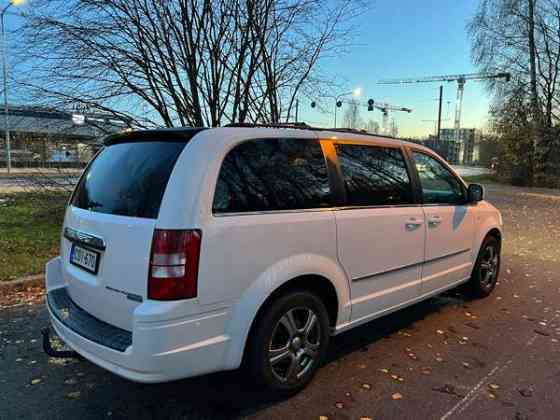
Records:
x=439, y=185
x=374, y=176
x=273, y=174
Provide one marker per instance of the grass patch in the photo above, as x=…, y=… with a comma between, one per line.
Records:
x=30, y=226
x=481, y=179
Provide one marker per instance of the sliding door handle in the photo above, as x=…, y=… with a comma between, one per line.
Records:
x=413, y=224
x=434, y=221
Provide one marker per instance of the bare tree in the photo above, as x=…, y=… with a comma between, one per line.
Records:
x=372, y=127
x=352, y=117
x=523, y=37
x=182, y=62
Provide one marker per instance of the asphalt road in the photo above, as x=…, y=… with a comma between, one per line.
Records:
x=447, y=358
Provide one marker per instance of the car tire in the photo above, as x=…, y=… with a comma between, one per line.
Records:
x=288, y=343
x=486, y=269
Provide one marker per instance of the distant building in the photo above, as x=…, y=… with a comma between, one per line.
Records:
x=466, y=151
x=49, y=135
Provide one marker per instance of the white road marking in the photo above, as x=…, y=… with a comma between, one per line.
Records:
x=472, y=394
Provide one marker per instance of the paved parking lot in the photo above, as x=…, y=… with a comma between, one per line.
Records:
x=447, y=358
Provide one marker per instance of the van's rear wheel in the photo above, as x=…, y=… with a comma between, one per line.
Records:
x=289, y=342
x=487, y=268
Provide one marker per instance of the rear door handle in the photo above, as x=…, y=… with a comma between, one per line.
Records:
x=434, y=221
x=413, y=224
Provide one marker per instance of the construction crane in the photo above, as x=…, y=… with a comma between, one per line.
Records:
x=385, y=109
x=461, y=79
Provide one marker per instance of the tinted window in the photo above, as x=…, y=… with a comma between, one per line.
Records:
x=374, y=176
x=128, y=179
x=273, y=174
x=439, y=185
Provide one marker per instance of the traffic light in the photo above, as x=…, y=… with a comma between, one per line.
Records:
x=370, y=104
x=313, y=104
x=338, y=104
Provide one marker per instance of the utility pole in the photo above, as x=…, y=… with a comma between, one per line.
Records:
x=5, y=71
x=439, y=113
x=297, y=110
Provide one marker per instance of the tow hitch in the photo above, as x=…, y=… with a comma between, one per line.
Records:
x=48, y=348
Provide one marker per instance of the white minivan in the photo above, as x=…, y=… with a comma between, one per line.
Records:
x=189, y=251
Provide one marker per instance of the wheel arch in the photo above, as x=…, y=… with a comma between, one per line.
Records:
x=327, y=280
x=496, y=233
x=491, y=226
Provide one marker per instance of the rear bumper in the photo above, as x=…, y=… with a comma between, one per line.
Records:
x=159, y=351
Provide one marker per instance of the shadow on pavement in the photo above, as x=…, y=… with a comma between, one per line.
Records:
x=231, y=394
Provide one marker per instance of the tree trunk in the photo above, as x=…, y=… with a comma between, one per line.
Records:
x=536, y=109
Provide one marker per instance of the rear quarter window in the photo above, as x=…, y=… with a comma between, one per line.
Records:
x=273, y=174
x=128, y=179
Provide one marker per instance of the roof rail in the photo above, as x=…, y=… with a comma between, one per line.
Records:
x=304, y=126
x=300, y=125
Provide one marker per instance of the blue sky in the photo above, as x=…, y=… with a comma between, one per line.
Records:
x=411, y=38
x=403, y=38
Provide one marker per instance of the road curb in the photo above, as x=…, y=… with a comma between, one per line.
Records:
x=21, y=284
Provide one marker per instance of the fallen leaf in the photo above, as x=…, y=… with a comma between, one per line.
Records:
x=446, y=389
x=384, y=370
x=366, y=386
x=544, y=333
x=493, y=386
x=525, y=392
x=491, y=396
x=323, y=418
x=71, y=381
x=466, y=365
x=396, y=396
x=366, y=418
x=339, y=405
x=73, y=395
x=441, y=332
x=35, y=381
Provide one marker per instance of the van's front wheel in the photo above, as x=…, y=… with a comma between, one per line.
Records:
x=486, y=270
x=289, y=342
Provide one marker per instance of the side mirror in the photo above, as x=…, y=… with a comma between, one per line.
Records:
x=475, y=193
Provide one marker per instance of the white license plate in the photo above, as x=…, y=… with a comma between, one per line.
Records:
x=84, y=258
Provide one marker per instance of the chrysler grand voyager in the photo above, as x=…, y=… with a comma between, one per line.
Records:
x=189, y=251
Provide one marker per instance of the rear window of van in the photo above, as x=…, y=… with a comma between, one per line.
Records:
x=128, y=179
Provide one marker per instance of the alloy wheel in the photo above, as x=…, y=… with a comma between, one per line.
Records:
x=294, y=345
x=489, y=266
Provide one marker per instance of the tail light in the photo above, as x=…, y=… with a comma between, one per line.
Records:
x=174, y=264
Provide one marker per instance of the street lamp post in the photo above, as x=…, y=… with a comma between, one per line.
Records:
x=5, y=71
x=337, y=104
